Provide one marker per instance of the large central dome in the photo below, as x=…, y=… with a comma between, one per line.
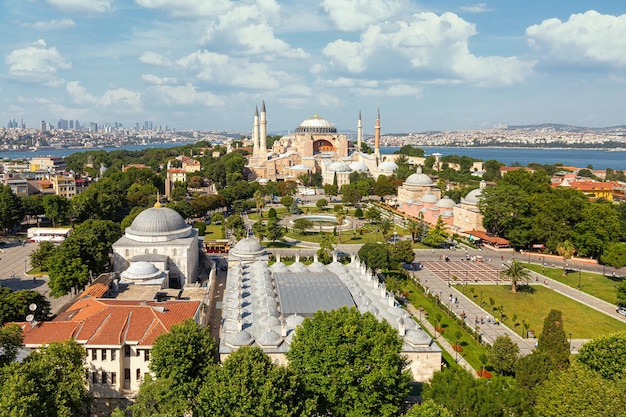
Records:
x=316, y=125
x=158, y=224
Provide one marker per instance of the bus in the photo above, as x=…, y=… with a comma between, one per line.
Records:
x=216, y=246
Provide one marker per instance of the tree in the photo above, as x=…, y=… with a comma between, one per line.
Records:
x=614, y=255
x=50, y=383
x=11, y=209
x=413, y=227
x=217, y=218
x=259, y=230
x=578, y=391
x=437, y=236
x=605, y=355
x=249, y=384
x=502, y=207
x=503, y=355
x=384, y=226
x=374, y=255
x=56, y=208
x=160, y=397
x=621, y=294
x=185, y=354
x=237, y=225
x=598, y=228
x=401, y=252
x=350, y=194
x=10, y=341
x=340, y=218
x=358, y=213
x=553, y=339
x=516, y=272
x=302, y=225
x=274, y=230
x=287, y=201
x=92, y=241
x=39, y=257
x=532, y=370
x=259, y=201
x=428, y=408
x=372, y=214
x=67, y=273
x=566, y=250
x=322, y=203
x=33, y=206
x=294, y=209
x=326, y=248
x=14, y=305
x=350, y=363
x=384, y=186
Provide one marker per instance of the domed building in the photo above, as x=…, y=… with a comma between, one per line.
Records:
x=158, y=237
x=315, y=146
x=467, y=215
x=416, y=186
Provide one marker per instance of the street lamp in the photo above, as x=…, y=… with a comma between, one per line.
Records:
x=543, y=263
x=579, y=279
x=570, y=342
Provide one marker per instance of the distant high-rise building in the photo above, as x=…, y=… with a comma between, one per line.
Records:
x=76, y=125
x=43, y=126
x=23, y=124
x=93, y=127
x=71, y=124
x=63, y=124
x=136, y=126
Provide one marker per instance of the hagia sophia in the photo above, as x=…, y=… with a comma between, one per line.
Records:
x=315, y=146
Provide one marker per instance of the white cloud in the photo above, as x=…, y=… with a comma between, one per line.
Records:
x=184, y=95
x=52, y=24
x=476, y=8
x=36, y=64
x=189, y=8
x=430, y=44
x=587, y=39
x=79, y=94
x=154, y=80
x=83, y=6
x=153, y=58
x=120, y=100
x=354, y=15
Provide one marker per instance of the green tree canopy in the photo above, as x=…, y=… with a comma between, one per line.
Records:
x=11, y=210
x=503, y=354
x=428, y=408
x=401, y=251
x=14, y=305
x=553, y=339
x=10, y=341
x=517, y=274
x=350, y=363
x=605, y=355
x=614, y=255
x=67, y=273
x=374, y=255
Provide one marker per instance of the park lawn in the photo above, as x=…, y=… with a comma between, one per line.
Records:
x=347, y=237
x=213, y=232
x=471, y=348
x=598, y=285
x=534, y=305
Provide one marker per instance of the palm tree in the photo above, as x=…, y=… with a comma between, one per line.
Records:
x=566, y=250
x=413, y=227
x=259, y=200
x=340, y=218
x=516, y=272
x=385, y=226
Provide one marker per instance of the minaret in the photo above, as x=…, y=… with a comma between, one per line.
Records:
x=263, y=134
x=377, y=137
x=255, y=134
x=359, y=133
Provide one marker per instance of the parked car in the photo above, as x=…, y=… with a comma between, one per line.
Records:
x=621, y=310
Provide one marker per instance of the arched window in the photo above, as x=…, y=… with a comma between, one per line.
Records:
x=154, y=251
x=147, y=251
x=174, y=251
x=127, y=253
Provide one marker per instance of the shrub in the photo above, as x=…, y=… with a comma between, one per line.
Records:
x=271, y=213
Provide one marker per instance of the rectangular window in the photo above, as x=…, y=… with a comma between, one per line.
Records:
x=138, y=374
x=127, y=374
x=104, y=354
x=138, y=352
x=146, y=355
x=113, y=354
x=127, y=350
x=94, y=354
x=94, y=377
x=104, y=377
x=113, y=378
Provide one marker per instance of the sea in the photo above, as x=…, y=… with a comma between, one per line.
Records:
x=581, y=158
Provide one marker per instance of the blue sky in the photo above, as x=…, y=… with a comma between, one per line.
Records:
x=206, y=64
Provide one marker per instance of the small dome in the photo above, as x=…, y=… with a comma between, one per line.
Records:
x=141, y=271
x=242, y=338
x=418, y=179
x=159, y=223
x=248, y=248
x=339, y=167
x=359, y=167
x=429, y=198
x=388, y=167
x=472, y=197
x=446, y=202
x=417, y=337
x=269, y=339
x=294, y=320
x=316, y=125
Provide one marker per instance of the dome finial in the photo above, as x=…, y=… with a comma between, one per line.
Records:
x=158, y=201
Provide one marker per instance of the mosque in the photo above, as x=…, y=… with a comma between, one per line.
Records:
x=158, y=248
x=263, y=304
x=315, y=146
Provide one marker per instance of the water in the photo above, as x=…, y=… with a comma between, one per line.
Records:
x=599, y=159
x=580, y=158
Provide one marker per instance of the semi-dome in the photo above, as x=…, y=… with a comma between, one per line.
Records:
x=249, y=247
x=388, y=167
x=141, y=271
x=472, y=197
x=339, y=167
x=357, y=166
x=299, y=167
x=418, y=179
x=158, y=224
x=429, y=198
x=316, y=125
x=446, y=202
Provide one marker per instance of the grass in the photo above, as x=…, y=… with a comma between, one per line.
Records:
x=534, y=303
x=471, y=348
x=598, y=285
x=214, y=231
x=36, y=272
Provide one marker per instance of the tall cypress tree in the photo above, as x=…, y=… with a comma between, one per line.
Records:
x=553, y=340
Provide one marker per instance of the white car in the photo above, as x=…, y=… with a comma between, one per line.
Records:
x=621, y=310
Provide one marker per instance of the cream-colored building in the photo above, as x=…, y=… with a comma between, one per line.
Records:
x=467, y=215
x=263, y=305
x=63, y=185
x=160, y=236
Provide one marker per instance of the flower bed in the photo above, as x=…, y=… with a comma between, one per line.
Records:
x=484, y=374
x=457, y=348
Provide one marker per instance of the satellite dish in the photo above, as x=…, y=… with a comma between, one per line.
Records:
x=30, y=318
x=32, y=307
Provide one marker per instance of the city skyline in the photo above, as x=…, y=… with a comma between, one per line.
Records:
x=430, y=65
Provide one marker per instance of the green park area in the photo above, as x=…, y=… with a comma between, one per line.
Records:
x=531, y=304
x=598, y=285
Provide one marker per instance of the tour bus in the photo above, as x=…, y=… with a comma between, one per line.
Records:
x=216, y=246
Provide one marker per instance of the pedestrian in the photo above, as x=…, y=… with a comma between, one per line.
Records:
x=12, y=275
x=456, y=300
x=482, y=320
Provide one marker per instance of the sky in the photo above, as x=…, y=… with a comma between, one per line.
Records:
x=206, y=64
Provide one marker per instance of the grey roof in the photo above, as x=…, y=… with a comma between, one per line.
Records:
x=158, y=222
x=305, y=293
